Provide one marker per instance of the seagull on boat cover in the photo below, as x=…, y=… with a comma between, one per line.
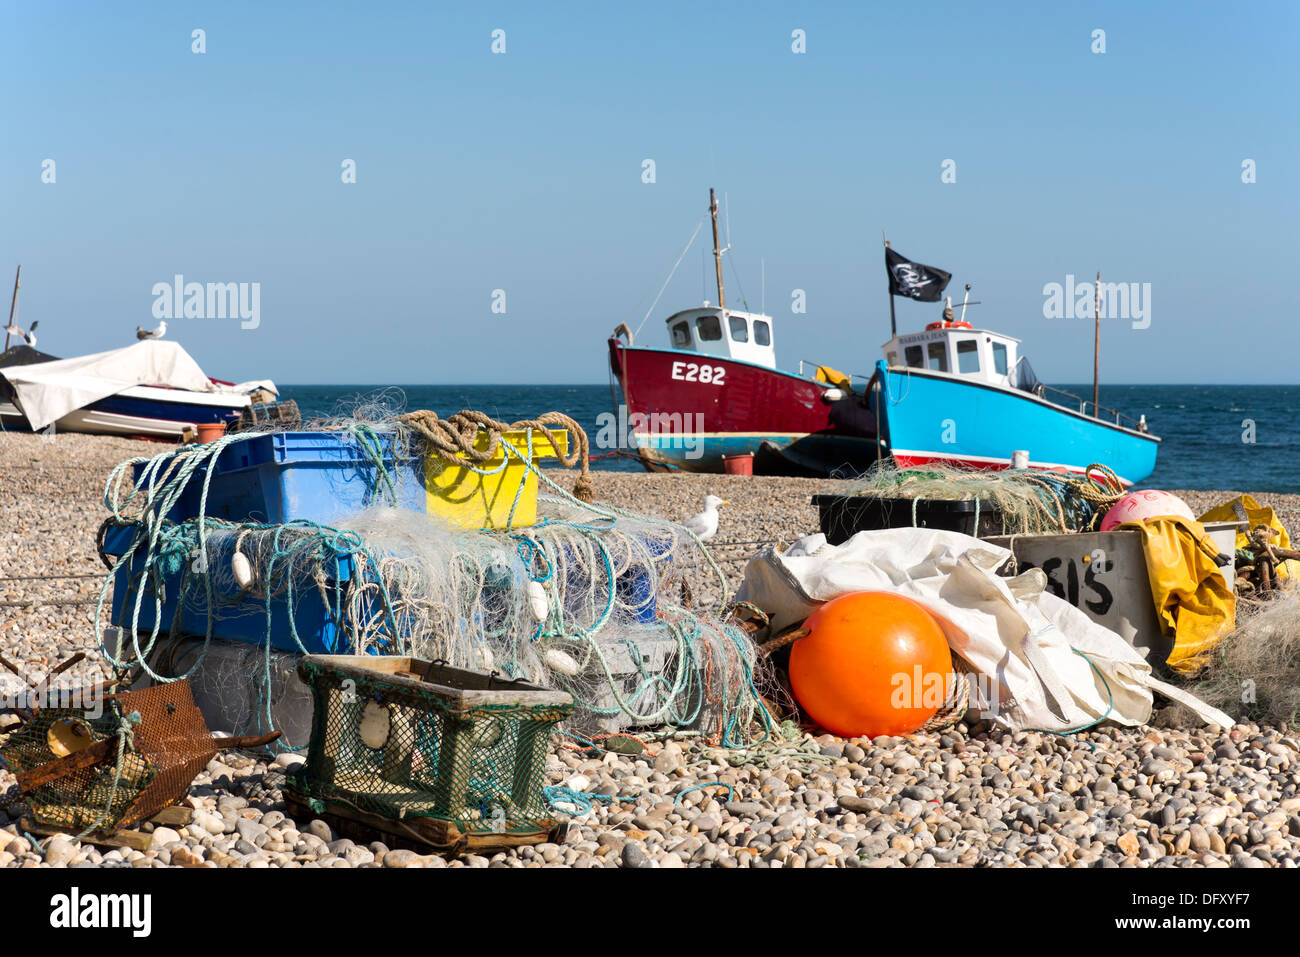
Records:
x=29, y=336
x=705, y=524
x=142, y=333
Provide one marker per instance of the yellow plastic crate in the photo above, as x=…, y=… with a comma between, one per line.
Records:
x=469, y=500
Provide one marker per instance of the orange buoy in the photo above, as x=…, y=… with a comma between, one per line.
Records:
x=872, y=663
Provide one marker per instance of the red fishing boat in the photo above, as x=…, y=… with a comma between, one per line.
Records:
x=716, y=392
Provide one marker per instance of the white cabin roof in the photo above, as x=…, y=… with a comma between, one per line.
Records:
x=978, y=354
x=730, y=333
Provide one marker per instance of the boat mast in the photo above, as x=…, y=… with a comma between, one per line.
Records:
x=1096, y=354
x=13, y=303
x=893, y=326
x=717, y=251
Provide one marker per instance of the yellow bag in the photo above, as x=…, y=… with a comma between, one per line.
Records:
x=834, y=377
x=1256, y=514
x=1191, y=595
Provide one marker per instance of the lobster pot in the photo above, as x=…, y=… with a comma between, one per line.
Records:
x=68, y=765
x=446, y=757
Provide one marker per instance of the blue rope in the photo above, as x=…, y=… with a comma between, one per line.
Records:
x=581, y=802
x=711, y=784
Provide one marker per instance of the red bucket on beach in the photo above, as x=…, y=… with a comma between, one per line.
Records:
x=739, y=464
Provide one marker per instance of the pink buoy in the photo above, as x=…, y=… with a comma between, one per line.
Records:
x=1141, y=505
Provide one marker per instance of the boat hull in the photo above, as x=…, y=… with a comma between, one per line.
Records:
x=932, y=418
x=680, y=416
x=135, y=415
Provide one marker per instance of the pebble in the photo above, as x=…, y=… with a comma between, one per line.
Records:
x=61, y=851
x=162, y=836
x=634, y=856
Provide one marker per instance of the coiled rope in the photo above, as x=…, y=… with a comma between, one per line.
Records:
x=457, y=435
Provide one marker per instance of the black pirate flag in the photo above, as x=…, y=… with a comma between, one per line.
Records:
x=906, y=278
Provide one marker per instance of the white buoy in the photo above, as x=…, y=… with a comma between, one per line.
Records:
x=375, y=724
x=486, y=654
x=557, y=660
x=242, y=569
x=537, y=602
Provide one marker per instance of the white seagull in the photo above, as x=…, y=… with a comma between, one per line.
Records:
x=705, y=524
x=143, y=333
x=29, y=336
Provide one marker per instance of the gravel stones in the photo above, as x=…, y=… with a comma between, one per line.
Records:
x=1134, y=797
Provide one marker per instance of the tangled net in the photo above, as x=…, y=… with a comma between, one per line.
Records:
x=1257, y=674
x=1030, y=501
x=591, y=599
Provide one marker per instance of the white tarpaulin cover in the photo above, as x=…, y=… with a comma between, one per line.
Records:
x=47, y=391
x=1021, y=640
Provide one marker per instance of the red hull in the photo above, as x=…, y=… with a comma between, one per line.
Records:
x=735, y=407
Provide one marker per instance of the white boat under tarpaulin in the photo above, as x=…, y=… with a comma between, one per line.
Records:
x=155, y=381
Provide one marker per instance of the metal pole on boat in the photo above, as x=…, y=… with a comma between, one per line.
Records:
x=1096, y=354
x=893, y=326
x=13, y=303
x=717, y=252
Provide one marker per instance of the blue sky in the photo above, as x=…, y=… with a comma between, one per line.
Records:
x=522, y=172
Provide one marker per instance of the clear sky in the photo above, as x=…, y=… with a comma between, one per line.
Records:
x=522, y=171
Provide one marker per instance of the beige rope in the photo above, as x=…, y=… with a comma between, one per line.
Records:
x=954, y=708
x=456, y=436
x=788, y=637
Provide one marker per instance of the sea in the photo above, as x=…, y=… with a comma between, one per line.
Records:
x=1213, y=437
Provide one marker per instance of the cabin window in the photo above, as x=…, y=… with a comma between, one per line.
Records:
x=1000, y=358
x=762, y=333
x=891, y=358
x=709, y=328
x=938, y=356
x=914, y=356
x=681, y=335
x=968, y=356
x=739, y=329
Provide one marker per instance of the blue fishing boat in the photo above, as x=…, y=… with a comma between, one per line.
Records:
x=960, y=396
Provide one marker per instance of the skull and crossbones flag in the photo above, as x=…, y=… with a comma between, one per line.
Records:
x=906, y=278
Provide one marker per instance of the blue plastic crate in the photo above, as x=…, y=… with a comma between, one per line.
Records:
x=633, y=589
x=237, y=616
x=317, y=476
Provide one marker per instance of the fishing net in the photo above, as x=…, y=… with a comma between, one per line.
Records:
x=588, y=599
x=1024, y=501
x=1256, y=676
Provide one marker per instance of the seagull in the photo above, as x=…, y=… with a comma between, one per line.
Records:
x=705, y=524
x=142, y=333
x=28, y=337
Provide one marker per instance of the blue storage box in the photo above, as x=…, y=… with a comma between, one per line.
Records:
x=237, y=616
x=278, y=477
x=632, y=589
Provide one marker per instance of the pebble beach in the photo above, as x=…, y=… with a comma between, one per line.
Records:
x=973, y=795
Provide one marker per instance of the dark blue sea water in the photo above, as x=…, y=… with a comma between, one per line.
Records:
x=1204, y=428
